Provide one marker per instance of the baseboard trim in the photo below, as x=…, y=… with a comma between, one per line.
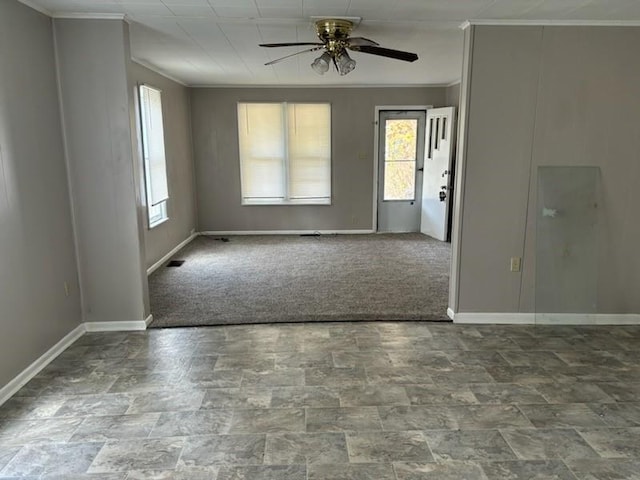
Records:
x=168, y=256
x=126, y=326
x=450, y=313
x=545, y=318
x=286, y=232
x=148, y=320
x=36, y=367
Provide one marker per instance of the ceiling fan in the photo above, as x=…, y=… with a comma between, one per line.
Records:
x=335, y=40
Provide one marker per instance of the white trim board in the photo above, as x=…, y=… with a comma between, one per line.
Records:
x=90, y=16
x=516, y=318
x=124, y=326
x=551, y=23
x=45, y=359
x=287, y=232
x=36, y=367
x=171, y=253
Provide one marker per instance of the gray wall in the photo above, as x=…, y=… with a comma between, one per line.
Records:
x=37, y=252
x=548, y=96
x=97, y=97
x=181, y=207
x=218, y=172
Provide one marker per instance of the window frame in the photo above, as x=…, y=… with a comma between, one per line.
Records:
x=156, y=214
x=287, y=200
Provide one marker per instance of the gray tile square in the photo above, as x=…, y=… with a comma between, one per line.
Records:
x=268, y=420
x=118, y=427
x=507, y=393
x=278, y=378
x=468, y=445
x=573, y=393
x=290, y=397
x=343, y=419
x=309, y=448
x=417, y=418
x=364, y=471
x=196, y=473
x=6, y=454
x=236, y=398
x=143, y=454
x=398, y=375
x=528, y=470
x=263, y=472
x=618, y=414
x=90, y=405
x=166, y=401
x=440, y=395
x=21, y=432
x=334, y=377
x=562, y=415
x=386, y=447
x=373, y=395
x=201, y=422
x=605, y=469
x=52, y=459
x=488, y=416
x=449, y=470
x=223, y=450
x=614, y=442
x=541, y=444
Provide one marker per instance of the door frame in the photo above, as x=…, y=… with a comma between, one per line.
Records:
x=376, y=138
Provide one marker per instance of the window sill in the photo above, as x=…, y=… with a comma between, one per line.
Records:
x=158, y=222
x=272, y=203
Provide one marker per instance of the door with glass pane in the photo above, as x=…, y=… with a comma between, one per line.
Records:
x=400, y=163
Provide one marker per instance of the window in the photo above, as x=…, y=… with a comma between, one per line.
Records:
x=155, y=165
x=400, y=156
x=285, y=153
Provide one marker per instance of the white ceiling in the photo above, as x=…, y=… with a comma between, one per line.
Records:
x=215, y=42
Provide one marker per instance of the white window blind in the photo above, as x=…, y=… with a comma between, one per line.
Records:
x=285, y=153
x=153, y=145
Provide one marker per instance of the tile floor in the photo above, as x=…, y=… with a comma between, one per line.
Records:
x=333, y=401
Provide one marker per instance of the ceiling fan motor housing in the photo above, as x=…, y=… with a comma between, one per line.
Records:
x=334, y=33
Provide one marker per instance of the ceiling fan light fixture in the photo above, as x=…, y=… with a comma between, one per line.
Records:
x=345, y=63
x=321, y=64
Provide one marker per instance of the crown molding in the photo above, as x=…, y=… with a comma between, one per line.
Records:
x=36, y=7
x=281, y=86
x=551, y=23
x=157, y=70
x=90, y=16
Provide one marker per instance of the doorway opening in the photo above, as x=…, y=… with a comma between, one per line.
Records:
x=413, y=170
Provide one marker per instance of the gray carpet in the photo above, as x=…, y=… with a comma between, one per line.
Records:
x=259, y=279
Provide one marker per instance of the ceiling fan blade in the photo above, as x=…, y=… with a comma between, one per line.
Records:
x=359, y=41
x=293, y=54
x=288, y=44
x=385, y=52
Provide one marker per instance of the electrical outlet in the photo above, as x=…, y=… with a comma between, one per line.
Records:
x=515, y=264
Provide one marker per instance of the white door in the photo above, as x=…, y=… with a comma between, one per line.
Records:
x=436, y=187
x=400, y=160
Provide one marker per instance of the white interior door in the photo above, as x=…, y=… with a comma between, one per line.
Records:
x=436, y=188
x=400, y=162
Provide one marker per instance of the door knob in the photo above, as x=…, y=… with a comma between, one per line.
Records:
x=442, y=196
x=421, y=169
